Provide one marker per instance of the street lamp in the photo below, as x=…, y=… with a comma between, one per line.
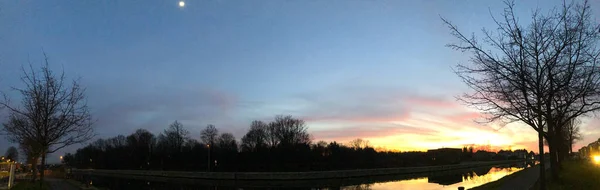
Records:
x=208, y=146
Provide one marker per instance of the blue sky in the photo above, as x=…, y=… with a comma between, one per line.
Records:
x=377, y=70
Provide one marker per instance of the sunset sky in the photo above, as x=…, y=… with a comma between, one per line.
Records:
x=370, y=69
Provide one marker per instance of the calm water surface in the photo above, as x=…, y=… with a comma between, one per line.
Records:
x=427, y=181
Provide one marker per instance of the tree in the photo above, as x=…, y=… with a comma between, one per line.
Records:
x=256, y=137
x=359, y=144
x=53, y=113
x=227, y=142
x=543, y=75
x=271, y=135
x=289, y=131
x=209, y=135
x=141, y=144
x=573, y=133
x=175, y=136
x=12, y=154
x=32, y=153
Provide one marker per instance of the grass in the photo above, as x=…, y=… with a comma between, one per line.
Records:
x=498, y=183
x=576, y=175
x=28, y=185
x=80, y=185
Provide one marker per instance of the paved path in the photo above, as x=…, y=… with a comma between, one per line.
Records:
x=60, y=184
x=524, y=180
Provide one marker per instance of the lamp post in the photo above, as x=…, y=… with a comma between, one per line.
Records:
x=208, y=146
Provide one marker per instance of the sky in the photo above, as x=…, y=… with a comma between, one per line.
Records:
x=372, y=69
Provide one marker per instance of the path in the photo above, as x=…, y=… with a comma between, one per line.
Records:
x=60, y=184
x=525, y=180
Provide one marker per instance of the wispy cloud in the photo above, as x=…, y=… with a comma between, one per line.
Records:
x=400, y=119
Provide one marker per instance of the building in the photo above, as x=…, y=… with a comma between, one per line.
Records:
x=444, y=156
x=520, y=154
x=482, y=155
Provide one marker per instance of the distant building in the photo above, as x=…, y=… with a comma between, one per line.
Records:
x=482, y=155
x=531, y=155
x=520, y=154
x=444, y=156
x=505, y=154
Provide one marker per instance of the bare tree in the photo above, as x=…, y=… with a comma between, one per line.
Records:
x=53, y=113
x=543, y=75
x=573, y=133
x=271, y=135
x=289, y=131
x=175, y=136
x=256, y=137
x=209, y=135
x=359, y=143
x=32, y=151
x=227, y=142
x=12, y=154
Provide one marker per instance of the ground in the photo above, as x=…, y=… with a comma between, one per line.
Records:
x=577, y=175
x=60, y=184
x=27, y=185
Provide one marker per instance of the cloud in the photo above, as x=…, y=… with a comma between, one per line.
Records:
x=370, y=132
x=431, y=102
x=401, y=119
x=155, y=109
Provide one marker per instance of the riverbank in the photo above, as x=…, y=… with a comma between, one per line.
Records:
x=284, y=175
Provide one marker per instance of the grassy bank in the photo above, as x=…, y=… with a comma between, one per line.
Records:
x=576, y=175
x=27, y=185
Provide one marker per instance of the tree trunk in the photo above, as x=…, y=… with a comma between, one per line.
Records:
x=552, y=147
x=553, y=159
x=542, y=179
x=561, y=147
x=42, y=167
x=34, y=169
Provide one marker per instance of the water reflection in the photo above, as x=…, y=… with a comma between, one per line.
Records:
x=428, y=181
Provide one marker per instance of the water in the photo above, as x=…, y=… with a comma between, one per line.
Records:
x=426, y=181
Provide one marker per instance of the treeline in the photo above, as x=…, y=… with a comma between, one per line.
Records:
x=281, y=145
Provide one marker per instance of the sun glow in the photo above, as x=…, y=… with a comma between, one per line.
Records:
x=181, y=4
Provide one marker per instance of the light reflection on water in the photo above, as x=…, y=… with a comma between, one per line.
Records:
x=467, y=178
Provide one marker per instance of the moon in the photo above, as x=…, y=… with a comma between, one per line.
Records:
x=181, y=4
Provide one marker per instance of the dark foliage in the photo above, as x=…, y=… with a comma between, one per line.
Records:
x=281, y=145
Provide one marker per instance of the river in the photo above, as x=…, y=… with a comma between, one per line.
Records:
x=425, y=181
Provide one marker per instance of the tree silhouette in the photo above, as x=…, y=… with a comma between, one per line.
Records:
x=289, y=131
x=209, y=135
x=359, y=143
x=572, y=134
x=175, y=136
x=117, y=153
x=141, y=144
x=256, y=137
x=53, y=113
x=12, y=154
x=544, y=74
